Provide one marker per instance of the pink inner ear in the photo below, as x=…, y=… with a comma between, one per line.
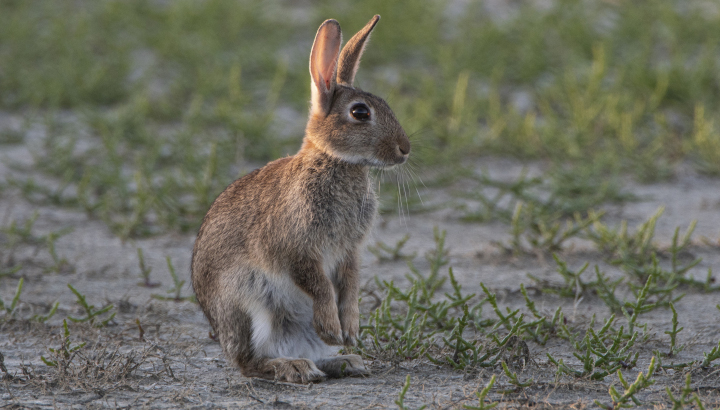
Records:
x=328, y=56
x=325, y=53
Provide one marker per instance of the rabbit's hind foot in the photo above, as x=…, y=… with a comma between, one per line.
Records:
x=285, y=369
x=342, y=366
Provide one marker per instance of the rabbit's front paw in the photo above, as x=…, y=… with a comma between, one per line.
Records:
x=350, y=328
x=327, y=326
x=350, y=338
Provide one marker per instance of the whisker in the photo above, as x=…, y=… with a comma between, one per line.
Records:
x=399, y=200
x=411, y=170
x=413, y=175
x=405, y=190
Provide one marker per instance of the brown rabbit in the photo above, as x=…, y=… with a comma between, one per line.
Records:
x=275, y=264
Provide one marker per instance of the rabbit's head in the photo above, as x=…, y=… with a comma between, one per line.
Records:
x=346, y=122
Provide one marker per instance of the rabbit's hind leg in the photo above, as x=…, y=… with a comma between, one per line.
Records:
x=342, y=366
x=283, y=348
x=240, y=349
x=282, y=322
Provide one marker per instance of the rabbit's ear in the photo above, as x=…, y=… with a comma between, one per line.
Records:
x=351, y=53
x=323, y=65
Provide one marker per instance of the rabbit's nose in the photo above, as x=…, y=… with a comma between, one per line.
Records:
x=404, y=146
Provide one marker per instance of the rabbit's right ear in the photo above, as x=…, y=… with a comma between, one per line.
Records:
x=323, y=66
x=353, y=50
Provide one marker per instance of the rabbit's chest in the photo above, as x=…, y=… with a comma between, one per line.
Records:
x=339, y=214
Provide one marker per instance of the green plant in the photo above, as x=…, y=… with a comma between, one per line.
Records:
x=489, y=206
x=44, y=318
x=548, y=327
x=177, y=287
x=463, y=354
x=437, y=258
x=513, y=378
x=534, y=229
x=439, y=313
x=9, y=310
x=58, y=262
x=401, y=396
x=601, y=353
x=92, y=314
x=622, y=247
x=20, y=234
x=711, y=357
x=574, y=286
x=684, y=400
x=17, y=234
x=145, y=271
x=638, y=255
x=396, y=337
x=385, y=253
x=511, y=321
x=63, y=355
x=641, y=382
x=673, y=334
x=632, y=310
x=481, y=397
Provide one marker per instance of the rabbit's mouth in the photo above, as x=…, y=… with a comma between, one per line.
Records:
x=399, y=159
x=388, y=165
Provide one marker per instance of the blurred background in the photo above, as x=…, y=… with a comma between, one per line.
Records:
x=141, y=112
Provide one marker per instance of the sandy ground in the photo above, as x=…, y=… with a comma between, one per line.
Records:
x=179, y=366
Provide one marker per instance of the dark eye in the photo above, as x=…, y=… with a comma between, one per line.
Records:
x=360, y=112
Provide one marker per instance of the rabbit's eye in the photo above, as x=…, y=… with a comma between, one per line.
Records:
x=360, y=112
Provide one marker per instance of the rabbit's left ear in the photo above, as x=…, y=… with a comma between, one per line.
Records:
x=323, y=65
x=351, y=53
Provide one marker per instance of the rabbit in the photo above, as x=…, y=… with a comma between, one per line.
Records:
x=275, y=263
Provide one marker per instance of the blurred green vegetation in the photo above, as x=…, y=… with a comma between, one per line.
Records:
x=150, y=106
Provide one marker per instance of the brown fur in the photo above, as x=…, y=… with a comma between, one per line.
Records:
x=285, y=238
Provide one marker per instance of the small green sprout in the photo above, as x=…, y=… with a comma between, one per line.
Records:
x=684, y=400
x=513, y=378
x=641, y=382
x=481, y=398
x=92, y=314
x=711, y=357
x=58, y=262
x=401, y=396
x=10, y=309
x=177, y=287
x=65, y=353
x=385, y=253
x=145, y=271
x=673, y=334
